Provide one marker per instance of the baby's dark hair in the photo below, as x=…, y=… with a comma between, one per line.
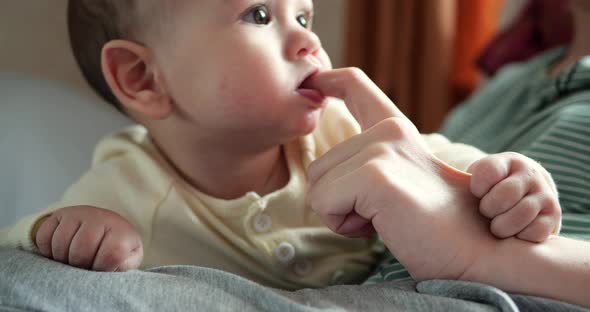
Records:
x=93, y=23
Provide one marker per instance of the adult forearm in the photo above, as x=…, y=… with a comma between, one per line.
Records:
x=558, y=268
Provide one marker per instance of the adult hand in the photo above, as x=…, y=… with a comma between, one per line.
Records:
x=387, y=179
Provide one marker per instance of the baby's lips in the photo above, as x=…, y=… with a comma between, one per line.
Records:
x=313, y=95
x=310, y=91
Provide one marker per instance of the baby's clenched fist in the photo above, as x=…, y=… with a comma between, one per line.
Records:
x=90, y=238
x=518, y=195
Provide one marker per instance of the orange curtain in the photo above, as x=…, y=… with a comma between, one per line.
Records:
x=477, y=23
x=420, y=52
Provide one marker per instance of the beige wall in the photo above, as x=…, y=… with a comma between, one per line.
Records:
x=33, y=38
x=329, y=24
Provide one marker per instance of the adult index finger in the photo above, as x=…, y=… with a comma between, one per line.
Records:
x=364, y=99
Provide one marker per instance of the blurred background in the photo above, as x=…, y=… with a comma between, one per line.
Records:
x=34, y=41
x=422, y=53
x=427, y=55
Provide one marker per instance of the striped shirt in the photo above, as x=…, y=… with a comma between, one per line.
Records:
x=548, y=119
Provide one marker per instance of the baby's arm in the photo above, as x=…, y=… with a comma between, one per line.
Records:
x=89, y=238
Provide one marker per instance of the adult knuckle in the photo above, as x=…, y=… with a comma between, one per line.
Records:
x=393, y=128
x=319, y=204
x=376, y=150
x=355, y=74
x=373, y=167
x=375, y=172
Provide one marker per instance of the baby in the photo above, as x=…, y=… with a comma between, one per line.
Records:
x=216, y=173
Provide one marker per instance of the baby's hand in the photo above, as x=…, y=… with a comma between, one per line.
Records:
x=518, y=195
x=90, y=238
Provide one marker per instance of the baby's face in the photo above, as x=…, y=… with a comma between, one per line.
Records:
x=236, y=66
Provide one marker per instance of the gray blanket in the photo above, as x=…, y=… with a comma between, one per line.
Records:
x=32, y=283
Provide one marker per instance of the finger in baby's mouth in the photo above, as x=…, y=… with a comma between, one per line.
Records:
x=306, y=84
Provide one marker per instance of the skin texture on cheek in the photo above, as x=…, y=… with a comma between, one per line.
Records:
x=223, y=87
x=233, y=101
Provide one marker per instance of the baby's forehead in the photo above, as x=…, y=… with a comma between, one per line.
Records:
x=232, y=3
x=174, y=8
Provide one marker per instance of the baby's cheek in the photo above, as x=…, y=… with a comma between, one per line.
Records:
x=247, y=87
x=222, y=88
x=325, y=59
x=235, y=97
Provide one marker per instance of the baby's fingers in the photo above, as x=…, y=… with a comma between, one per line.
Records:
x=503, y=196
x=44, y=236
x=118, y=252
x=518, y=218
x=547, y=222
x=85, y=245
x=62, y=239
x=488, y=172
x=538, y=231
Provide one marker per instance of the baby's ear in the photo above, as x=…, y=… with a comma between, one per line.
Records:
x=129, y=70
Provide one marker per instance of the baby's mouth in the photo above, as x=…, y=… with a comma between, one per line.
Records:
x=310, y=93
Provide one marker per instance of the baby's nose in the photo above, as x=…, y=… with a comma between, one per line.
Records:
x=303, y=43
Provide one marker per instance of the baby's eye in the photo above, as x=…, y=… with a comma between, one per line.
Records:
x=257, y=15
x=303, y=20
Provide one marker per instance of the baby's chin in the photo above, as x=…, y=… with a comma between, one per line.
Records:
x=310, y=122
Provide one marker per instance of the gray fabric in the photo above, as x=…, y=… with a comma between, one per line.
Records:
x=32, y=283
x=469, y=291
x=492, y=296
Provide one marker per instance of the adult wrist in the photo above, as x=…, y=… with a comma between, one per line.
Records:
x=556, y=269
